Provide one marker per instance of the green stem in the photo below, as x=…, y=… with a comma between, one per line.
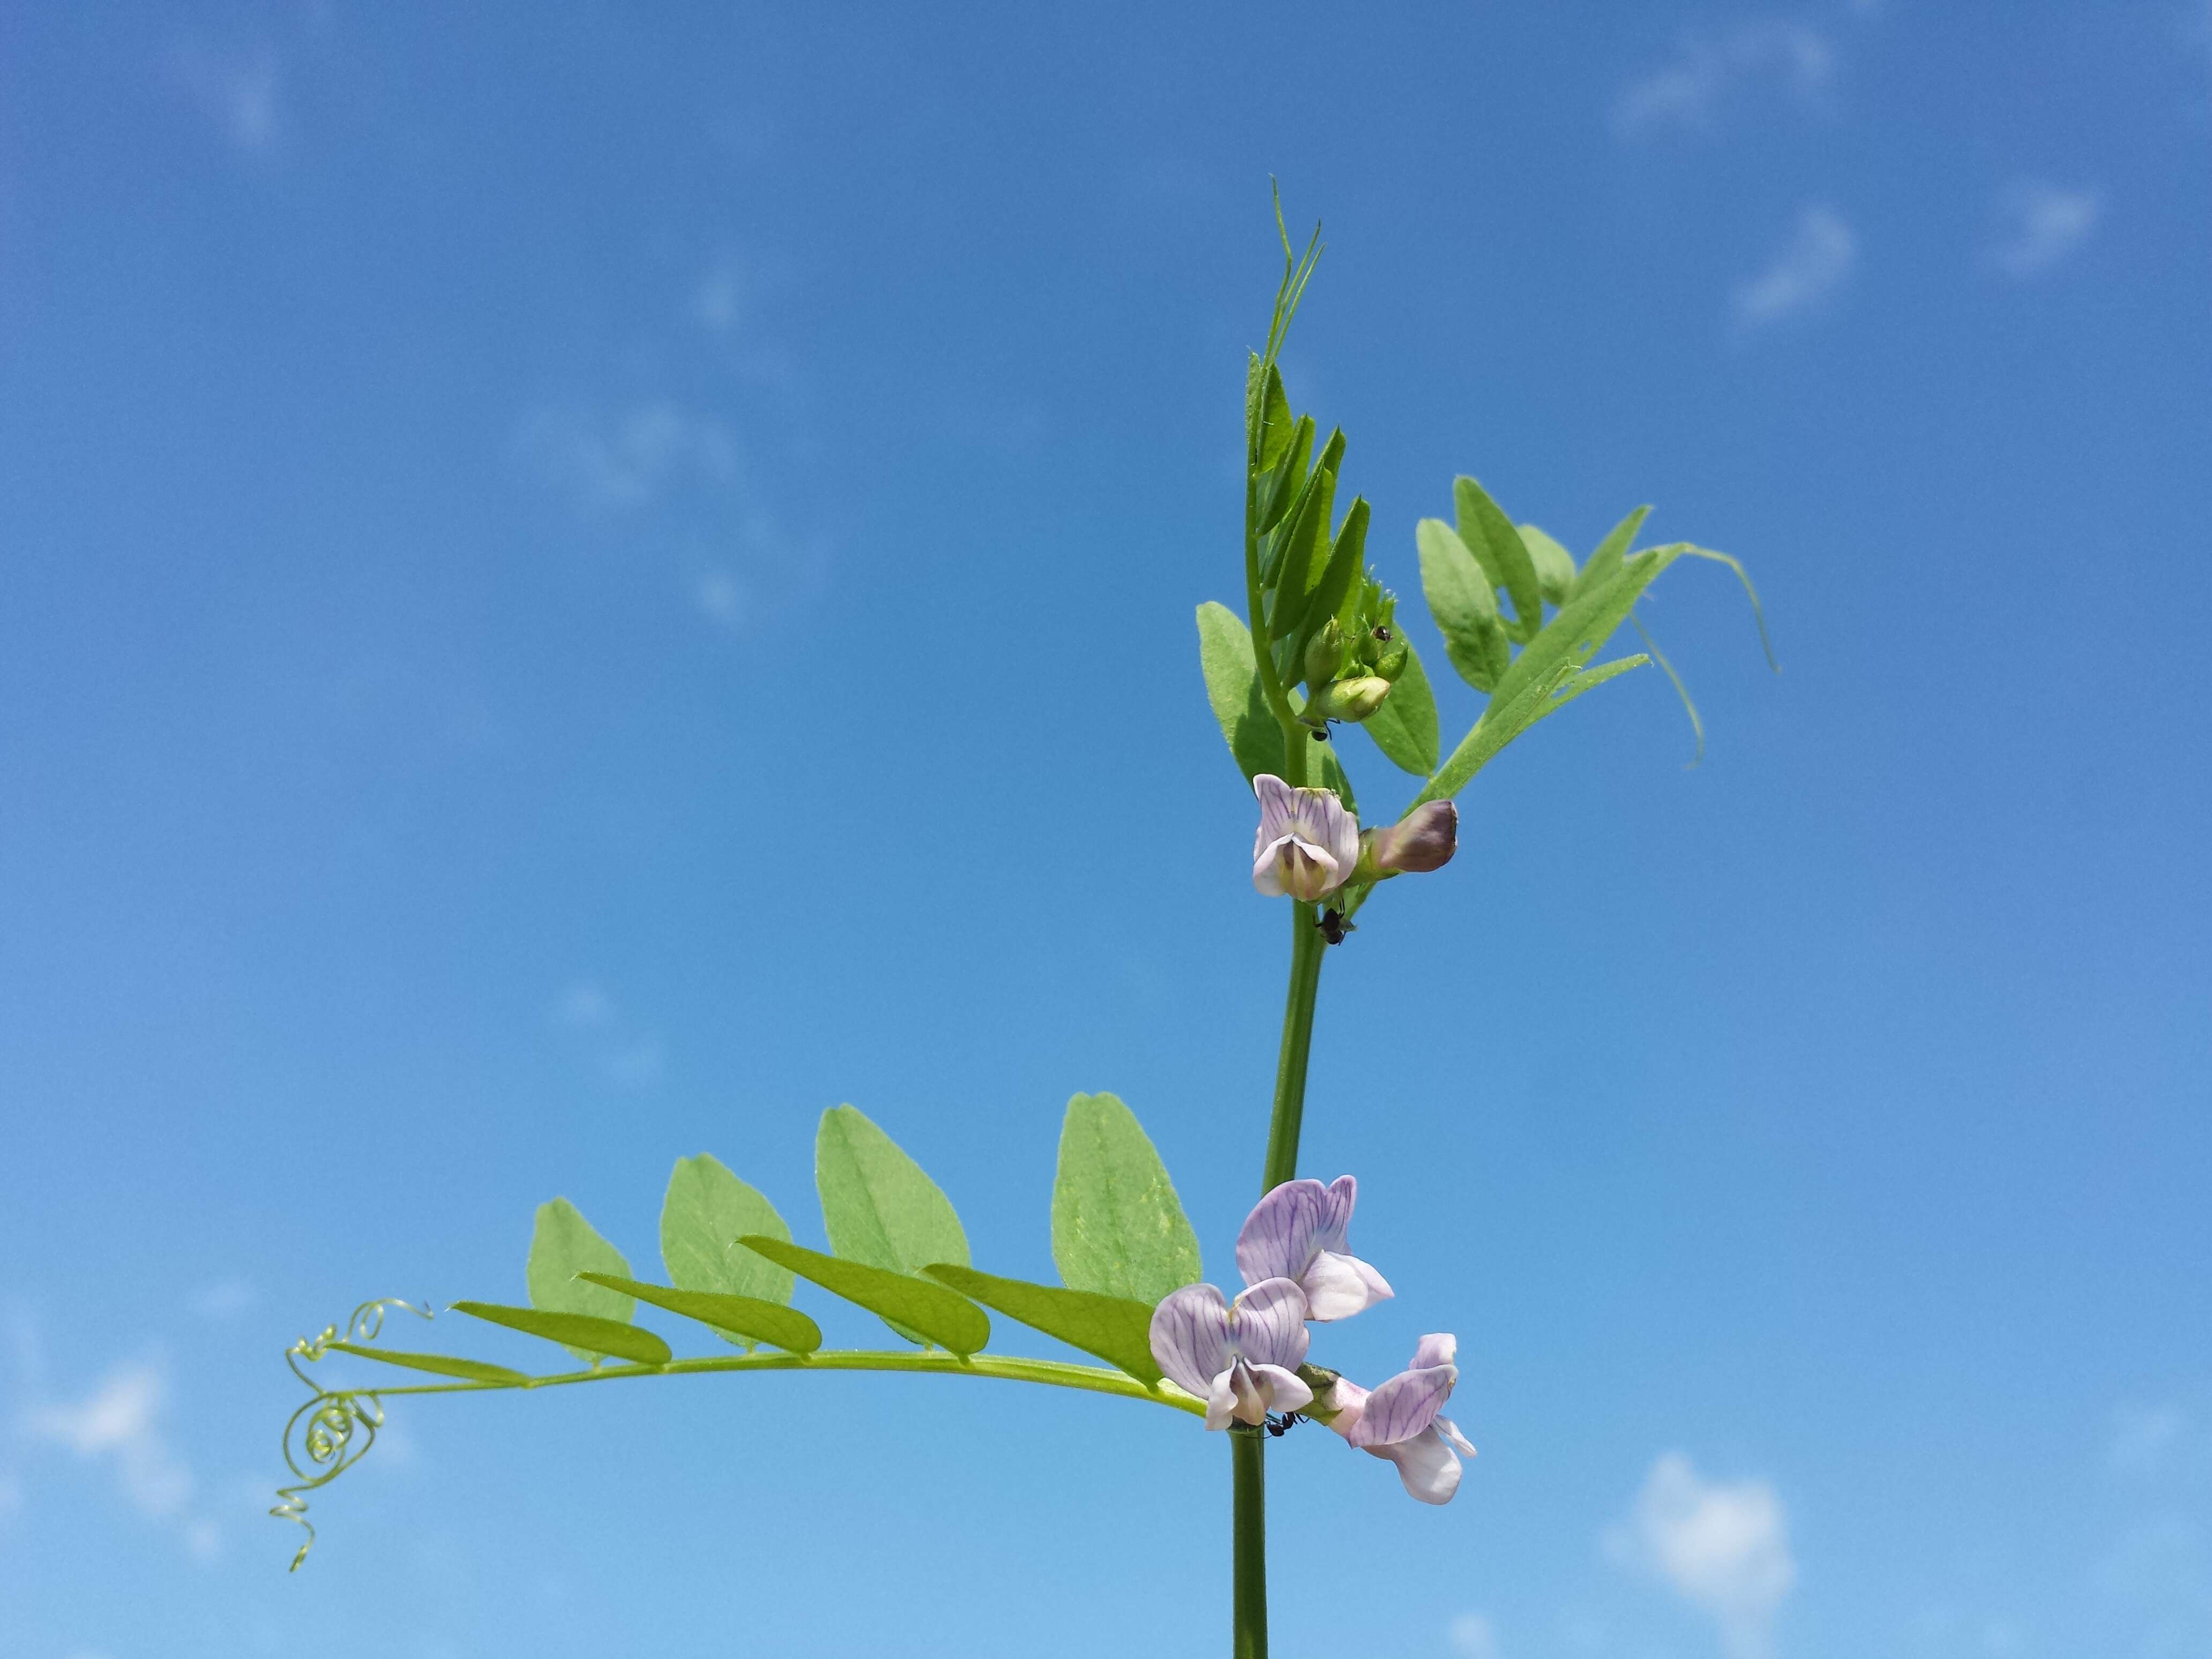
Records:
x=1306, y=947
x=1092, y=1378
x=1249, y=1472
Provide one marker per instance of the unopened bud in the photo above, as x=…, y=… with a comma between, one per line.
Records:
x=1352, y=700
x=1424, y=839
x=1391, y=664
x=1324, y=654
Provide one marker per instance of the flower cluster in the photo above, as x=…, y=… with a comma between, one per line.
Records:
x=1246, y=1358
x=1309, y=845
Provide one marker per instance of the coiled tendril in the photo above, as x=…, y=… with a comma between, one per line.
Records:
x=334, y=1430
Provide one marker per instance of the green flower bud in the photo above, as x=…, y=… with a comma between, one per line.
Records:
x=1351, y=701
x=1391, y=663
x=1324, y=654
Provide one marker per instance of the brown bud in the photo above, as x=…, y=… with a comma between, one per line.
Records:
x=1424, y=839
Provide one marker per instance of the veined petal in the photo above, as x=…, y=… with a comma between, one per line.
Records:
x=1428, y=1468
x=1339, y=1286
x=1278, y=806
x=1404, y=1406
x=1438, y=1348
x=1190, y=1337
x=1333, y=1207
x=1449, y=1430
x=1268, y=1324
x=1276, y=1241
x=1281, y=1390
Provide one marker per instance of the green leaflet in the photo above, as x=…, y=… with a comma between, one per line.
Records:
x=877, y=1205
x=1604, y=562
x=1327, y=771
x=1345, y=562
x=581, y=1333
x=1232, y=686
x=707, y=1207
x=1461, y=602
x=1276, y=425
x=1116, y=1329
x=1118, y=1229
x=1288, y=477
x=1405, y=726
x=1299, y=572
x=1498, y=547
x=1577, y=633
x=743, y=1319
x=906, y=1303
x=1502, y=723
x=1555, y=566
x=473, y=1370
x=561, y=1245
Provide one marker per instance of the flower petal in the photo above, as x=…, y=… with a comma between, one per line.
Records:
x=1404, y=1406
x=1339, y=1286
x=1190, y=1337
x=1282, y=1391
x=1278, y=806
x=1449, y=1430
x=1268, y=1324
x=1221, y=1399
x=1425, y=1464
x=1276, y=1241
x=1438, y=1348
x=1347, y=1402
x=1333, y=1212
x=1266, y=864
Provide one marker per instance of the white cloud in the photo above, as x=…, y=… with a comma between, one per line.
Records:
x=2038, y=224
x=226, y=1298
x=236, y=90
x=721, y=598
x=1705, y=69
x=584, y=1007
x=120, y=1423
x=636, y=1065
x=1724, y=1549
x=2149, y=1440
x=1818, y=261
x=631, y=459
x=1472, y=1637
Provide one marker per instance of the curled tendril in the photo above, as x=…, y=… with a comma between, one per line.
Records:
x=335, y=1428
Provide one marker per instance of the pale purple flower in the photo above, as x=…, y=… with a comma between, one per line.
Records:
x=1398, y=1420
x=1297, y=1232
x=1240, y=1357
x=1308, y=845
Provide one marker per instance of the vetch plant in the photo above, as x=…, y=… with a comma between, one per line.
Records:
x=1317, y=652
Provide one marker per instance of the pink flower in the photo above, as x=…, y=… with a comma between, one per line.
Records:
x=1308, y=845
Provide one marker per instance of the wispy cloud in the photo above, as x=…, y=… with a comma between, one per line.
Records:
x=631, y=458
x=226, y=1298
x=1818, y=260
x=1688, y=91
x=238, y=90
x=623, y=1054
x=2038, y=224
x=2152, y=1440
x=119, y=1424
x=1472, y=1637
x=1724, y=1549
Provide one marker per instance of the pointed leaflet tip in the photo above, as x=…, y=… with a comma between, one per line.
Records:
x=1118, y=1229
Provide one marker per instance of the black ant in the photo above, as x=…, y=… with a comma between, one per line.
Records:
x=1320, y=734
x=1280, y=1426
x=1334, y=927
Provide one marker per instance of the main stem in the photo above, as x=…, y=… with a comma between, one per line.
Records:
x=1248, y=1448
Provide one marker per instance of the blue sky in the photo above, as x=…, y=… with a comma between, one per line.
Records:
x=579, y=587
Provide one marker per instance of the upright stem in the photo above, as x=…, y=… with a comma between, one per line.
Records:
x=1247, y=1468
x=1306, y=947
x=1248, y=1446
